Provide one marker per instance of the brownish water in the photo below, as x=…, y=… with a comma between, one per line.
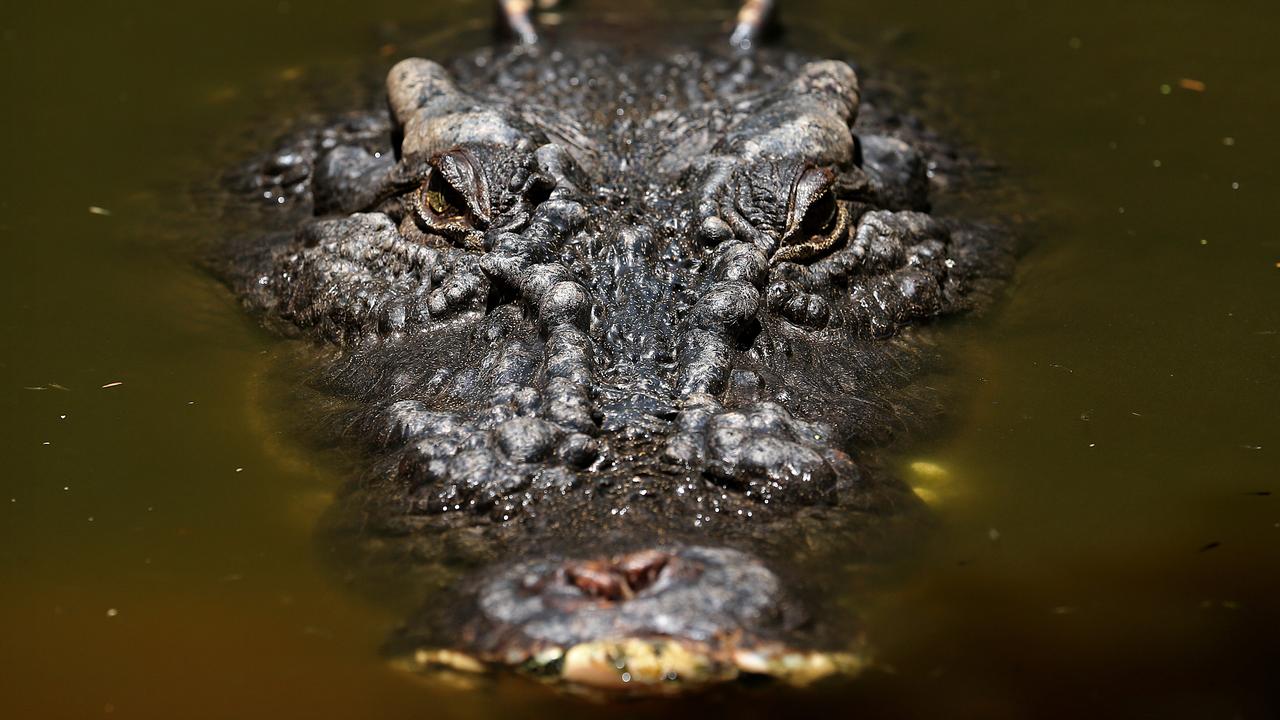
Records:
x=1105, y=547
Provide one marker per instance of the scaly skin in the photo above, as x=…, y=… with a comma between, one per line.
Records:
x=621, y=334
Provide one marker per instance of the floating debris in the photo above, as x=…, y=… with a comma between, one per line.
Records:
x=112, y=384
x=48, y=386
x=1192, y=85
x=1209, y=546
x=112, y=612
x=95, y=210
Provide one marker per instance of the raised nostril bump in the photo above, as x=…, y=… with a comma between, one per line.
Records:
x=714, y=231
x=617, y=579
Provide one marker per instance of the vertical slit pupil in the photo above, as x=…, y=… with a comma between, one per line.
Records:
x=444, y=199
x=821, y=212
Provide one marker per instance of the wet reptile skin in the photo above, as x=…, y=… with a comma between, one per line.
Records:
x=619, y=335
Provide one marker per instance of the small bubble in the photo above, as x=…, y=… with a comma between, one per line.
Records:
x=1235, y=186
x=1075, y=43
x=112, y=612
x=1156, y=163
x=1229, y=141
x=1165, y=89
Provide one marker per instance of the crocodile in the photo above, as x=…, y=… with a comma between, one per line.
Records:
x=621, y=334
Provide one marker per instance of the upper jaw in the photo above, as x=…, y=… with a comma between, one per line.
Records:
x=672, y=572
x=655, y=620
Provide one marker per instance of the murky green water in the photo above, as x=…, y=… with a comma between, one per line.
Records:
x=1107, y=546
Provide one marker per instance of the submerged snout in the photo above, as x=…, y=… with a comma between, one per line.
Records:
x=652, y=620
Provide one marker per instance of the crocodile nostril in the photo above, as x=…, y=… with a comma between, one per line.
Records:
x=619, y=578
x=598, y=580
x=642, y=569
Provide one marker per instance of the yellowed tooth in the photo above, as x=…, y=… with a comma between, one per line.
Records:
x=930, y=471
x=637, y=663
x=932, y=481
x=590, y=664
x=798, y=668
x=752, y=661
x=450, y=659
x=928, y=496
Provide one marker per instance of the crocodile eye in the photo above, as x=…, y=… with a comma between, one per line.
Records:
x=821, y=215
x=453, y=201
x=443, y=201
x=815, y=219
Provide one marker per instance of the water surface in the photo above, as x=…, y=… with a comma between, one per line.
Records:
x=1109, y=539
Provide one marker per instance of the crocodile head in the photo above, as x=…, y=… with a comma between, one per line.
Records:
x=621, y=335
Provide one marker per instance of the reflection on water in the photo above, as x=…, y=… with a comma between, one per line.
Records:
x=1108, y=540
